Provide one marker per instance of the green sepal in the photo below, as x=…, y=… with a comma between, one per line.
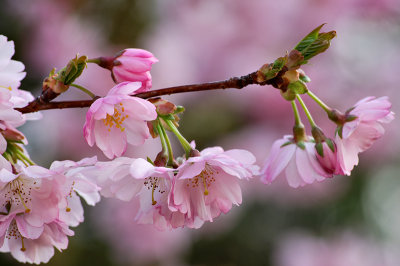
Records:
x=350, y=118
x=304, y=78
x=339, y=131
x=15, y=141
x=331, y=145
x=319, y=148
x=298, y=87
x=168, y=117
x=272, y=70
x=179, y=109
x=73, y=70
x=288, y=95
x=301, y=145
x=149, y=160
x=286, y=143
x=155, y=124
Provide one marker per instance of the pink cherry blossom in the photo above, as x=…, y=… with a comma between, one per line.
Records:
x=77, y=184
x=11, y=71
x=329, y=161
x=9, y=119
x=29, y=225
x=358, y=135
x=207, y=185
x=301, y=165
x=118, y=119
x=134, y=65
x=130, y=179
x=11, y=74
x=34, y=250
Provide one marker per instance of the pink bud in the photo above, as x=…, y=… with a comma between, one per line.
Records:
x=133, y=65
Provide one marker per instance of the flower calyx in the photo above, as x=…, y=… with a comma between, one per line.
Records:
x=319, y=138
x=167, y=111
x=300, y=136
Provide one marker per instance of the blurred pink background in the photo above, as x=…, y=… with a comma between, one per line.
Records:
x=333, y=223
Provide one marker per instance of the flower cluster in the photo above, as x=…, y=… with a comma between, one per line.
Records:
x=307, y=159
x=198, y=190
x=38, y=205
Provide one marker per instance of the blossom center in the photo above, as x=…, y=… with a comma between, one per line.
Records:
x=154, y=184
x=18, y=193
x=13, y=233
x=205, y=179
x=117, y=118
x=69, y=195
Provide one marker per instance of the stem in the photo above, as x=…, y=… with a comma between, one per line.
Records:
x=162, y=139
x=320, y=102
x=88, y=92
x=297, y=120
x=93, y=60
x=308, y=114
x=168, y=144
x=185, y=144
x=24, y=158
x=8, y=157
x=236, y=83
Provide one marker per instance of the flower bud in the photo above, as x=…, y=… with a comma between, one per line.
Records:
x=130, y=65
x=73, y=70
x=163, y=107
x=52, y=87
x=327, y=157
x=12, y=134
x=337, y=117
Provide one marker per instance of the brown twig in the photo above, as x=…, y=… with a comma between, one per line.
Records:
x=235, y=83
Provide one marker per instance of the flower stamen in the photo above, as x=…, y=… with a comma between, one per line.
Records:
x=116, y=119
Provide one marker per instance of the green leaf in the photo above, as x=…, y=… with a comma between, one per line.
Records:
x=319, y=45
x=298, y=87
x=310, y=38
x=73, y=70
x=272, y=70
x=314, y=43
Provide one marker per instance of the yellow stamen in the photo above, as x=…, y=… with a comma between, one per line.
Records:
x=8, y=88
x=27, y=210
x=153, y=202
x=23, y=246
x=116, y=119
x=205, y=184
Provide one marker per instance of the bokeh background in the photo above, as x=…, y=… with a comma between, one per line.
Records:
x=343, y=221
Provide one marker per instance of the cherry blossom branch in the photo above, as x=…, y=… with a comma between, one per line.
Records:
x=235, y=83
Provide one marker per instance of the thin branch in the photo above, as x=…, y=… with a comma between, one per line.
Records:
x=235, y=83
